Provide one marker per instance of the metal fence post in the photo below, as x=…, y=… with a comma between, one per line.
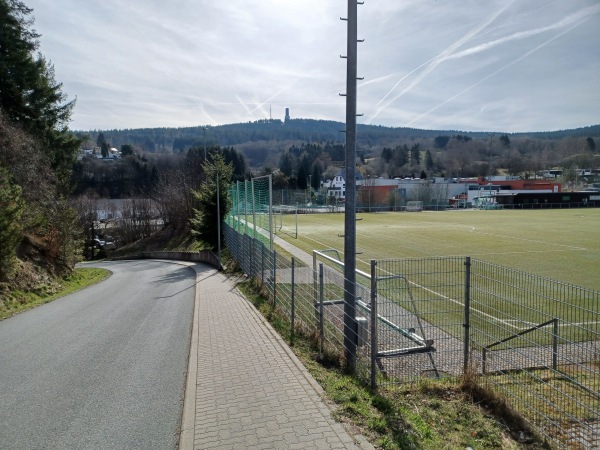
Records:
x=373, y=324
x=236, y=223
x=467, y=323
x=243, y=259
x=246, y=207
x=321, y=327
x=315, y=281
x=293, y=300
x=253, y=211
x=262, y=264
x=251, y=261
x=274, y=278
x=555, y=345
x=484, y=360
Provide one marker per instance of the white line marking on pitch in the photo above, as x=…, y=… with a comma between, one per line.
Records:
x=462, y=304
x=529, y=240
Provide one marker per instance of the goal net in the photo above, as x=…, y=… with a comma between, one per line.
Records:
x=286, y=220
x=251, y=209
x=414, y=206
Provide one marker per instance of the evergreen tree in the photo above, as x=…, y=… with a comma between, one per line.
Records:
x=315, y=179
x=505, y=140
x=236, y=159
x=204, y=222
x=126, y=149
x=415, y=154
x=29, y=95
x=400, y=155
x=104, y=150
x=441, y=141
x=286, y=164
x=100, y=140
x=428, y=160
x=590, y=144
x=302, y=177
x=386, y=154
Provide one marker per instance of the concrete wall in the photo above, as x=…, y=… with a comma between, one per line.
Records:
x=203, y=256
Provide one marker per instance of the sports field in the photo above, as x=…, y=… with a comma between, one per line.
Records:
x=563, y=245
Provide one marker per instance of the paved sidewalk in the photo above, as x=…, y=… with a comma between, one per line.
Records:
x=246, y=389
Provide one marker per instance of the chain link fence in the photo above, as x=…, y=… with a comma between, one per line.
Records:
x=533, y=341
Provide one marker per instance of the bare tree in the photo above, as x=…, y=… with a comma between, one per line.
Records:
x=87, y=213
x=174, y=198
x=137, y=219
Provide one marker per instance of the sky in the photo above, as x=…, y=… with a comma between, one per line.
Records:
x=468, y=65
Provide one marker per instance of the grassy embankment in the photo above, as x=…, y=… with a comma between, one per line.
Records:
x=48, y=289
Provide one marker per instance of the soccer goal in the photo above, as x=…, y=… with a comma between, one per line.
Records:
x=414, y=206
x=286, y=220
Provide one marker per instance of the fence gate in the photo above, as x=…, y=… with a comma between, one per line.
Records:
x=419, y=315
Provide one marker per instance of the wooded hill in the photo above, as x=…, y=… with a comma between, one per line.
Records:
x=263, y=141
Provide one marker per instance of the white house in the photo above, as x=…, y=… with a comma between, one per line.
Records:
x=336, y=188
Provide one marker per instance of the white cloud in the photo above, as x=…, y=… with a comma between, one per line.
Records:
x=427, y=63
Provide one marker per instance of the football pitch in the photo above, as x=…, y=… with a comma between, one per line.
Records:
x=563, y=245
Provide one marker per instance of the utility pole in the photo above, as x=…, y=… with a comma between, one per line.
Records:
x=491, y=135
x=350, y=329
x=218, y=222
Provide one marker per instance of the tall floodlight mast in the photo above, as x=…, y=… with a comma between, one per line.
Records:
x=350, y=329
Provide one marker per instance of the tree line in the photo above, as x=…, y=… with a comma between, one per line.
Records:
x=37, y=151
x=381, y=151
x=302, y=164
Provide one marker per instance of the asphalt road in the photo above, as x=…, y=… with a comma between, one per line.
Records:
x=103, y=368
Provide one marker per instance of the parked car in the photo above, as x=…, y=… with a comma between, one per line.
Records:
x=98, y=243
x=106, y=243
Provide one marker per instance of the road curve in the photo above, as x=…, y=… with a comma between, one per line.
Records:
x=101, y=368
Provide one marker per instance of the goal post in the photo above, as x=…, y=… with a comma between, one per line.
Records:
x=286, y=220
x=414, y=206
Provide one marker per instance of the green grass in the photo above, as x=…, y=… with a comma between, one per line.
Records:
x=563, y=245
x=15, y=302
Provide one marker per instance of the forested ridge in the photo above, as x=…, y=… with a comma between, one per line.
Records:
x=304, y=130
x=312, y=151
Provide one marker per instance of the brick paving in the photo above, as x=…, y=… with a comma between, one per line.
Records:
x=246, y=389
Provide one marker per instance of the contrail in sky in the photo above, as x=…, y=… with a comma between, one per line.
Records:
x=244, y=104
x=567, y=21
x=433, y=63
x=512, y=63
x=266, y=101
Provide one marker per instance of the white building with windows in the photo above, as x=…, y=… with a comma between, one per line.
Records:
x=336, y=188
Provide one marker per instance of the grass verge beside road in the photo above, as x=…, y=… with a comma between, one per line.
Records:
x=14, y=302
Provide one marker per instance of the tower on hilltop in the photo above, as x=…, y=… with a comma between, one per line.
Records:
x=287, y=115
